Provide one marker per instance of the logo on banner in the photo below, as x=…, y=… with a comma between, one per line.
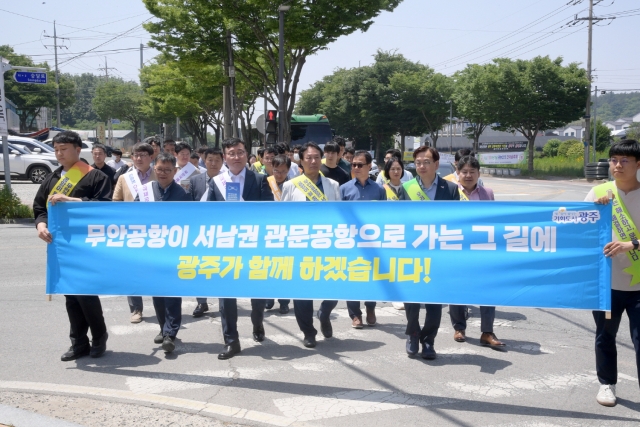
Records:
x=563, y=216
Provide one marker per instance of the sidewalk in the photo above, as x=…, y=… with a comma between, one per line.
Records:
x=10, y=416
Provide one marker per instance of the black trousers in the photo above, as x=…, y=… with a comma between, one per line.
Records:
x=281, y=301
x=135, y=303
x=431, y=322
x=606, y=330
x=169, y=314
x=229, y=317
x=458, y=314
x=303, y=310
x=85, y=312
x=201, y=300
x=353, y=307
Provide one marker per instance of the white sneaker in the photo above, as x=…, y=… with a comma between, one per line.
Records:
x=136, y=316
x=398, y=305
x=607, y=395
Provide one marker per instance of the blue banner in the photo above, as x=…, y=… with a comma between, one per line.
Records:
x=528, y=254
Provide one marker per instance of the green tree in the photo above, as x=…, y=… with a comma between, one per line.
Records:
x=550, y=149
x=603, y=136
x=536, y=95
x=310, y=26
x=119, y=99
x=82, y=108
x=423, y=97
x=186, y=90
x=633, y=132
x=31, y=98
x=475, y=98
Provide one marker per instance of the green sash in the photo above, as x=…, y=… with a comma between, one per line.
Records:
x=414, y=191
x=309, y=189
x=624, y=228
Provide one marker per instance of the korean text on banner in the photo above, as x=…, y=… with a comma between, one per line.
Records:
x=531, y=254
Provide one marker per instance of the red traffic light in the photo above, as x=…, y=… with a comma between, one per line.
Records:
x=272, y=115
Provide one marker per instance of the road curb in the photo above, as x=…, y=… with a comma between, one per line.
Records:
x=17, y=221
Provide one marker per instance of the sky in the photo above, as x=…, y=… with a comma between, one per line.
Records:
x=445, y=35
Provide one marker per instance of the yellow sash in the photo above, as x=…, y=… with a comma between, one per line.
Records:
x=414, y=191
x=624, y=228
x=258, y=166
x=277, y=194
x=463, y=196
x=309, y=189
x=391, y=195
x=384, y=178
x=451, y=177
x=68, y=182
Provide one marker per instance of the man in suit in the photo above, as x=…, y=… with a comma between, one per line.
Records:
x=253, y=187
x=426, y=186
x=311, y=186
x=128, y=186
x=199, y=190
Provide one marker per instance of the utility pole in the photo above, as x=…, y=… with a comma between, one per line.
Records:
x=595, y=122
x=450, y=126
x=232, y=87
x=281, y=108
x=587, y=115
x=106, y=72
x=141, y=91
x=55, y=49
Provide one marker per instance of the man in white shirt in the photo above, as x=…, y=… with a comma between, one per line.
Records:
x=624, y=251
x=318, y=188
x=117, y=162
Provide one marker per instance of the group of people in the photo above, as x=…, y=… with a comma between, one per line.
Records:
x=332, y=174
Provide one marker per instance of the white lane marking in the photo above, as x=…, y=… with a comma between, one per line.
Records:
x=152, y=399
x=519, y=386
x=621, y=376
x=138, y=328
x=511, y=194
x=498, y=323
x=307, y=408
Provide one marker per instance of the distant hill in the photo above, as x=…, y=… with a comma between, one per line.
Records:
x=612, y=106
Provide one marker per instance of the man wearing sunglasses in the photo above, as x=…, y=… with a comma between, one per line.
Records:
x=362, y=188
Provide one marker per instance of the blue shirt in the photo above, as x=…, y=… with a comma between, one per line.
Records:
x=353, y=190
x=431, y=191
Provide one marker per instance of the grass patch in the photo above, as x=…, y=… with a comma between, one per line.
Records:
x=11, y=207
x=552, y=166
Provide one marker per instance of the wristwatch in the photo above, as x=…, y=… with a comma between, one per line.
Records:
x=636, y=244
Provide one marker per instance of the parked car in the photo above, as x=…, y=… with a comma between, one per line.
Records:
x=26, y=165
x=85, y=153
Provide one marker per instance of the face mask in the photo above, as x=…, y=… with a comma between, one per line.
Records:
x=296, y=157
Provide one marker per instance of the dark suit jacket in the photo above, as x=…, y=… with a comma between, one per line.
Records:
x=198, y=186
x=446, y=190
x=256, y=188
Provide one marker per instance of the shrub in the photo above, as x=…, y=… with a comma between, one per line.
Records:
x=550, y=149
x=564, y=146
x=575, y=150
x=11, y=206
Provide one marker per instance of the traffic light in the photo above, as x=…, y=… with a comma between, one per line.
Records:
x=271, y=127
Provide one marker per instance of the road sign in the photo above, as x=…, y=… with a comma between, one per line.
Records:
x=101, y=134
x=115, y=121
x=30, y=77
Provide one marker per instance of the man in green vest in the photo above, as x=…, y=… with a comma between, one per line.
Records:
x=624, y=194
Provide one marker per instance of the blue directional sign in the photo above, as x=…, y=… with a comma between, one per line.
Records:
x=30, y=77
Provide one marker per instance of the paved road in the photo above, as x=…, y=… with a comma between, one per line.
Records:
x=544, y=377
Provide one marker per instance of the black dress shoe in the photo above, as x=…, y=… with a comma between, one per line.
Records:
x=325, y=327
x=284, y=308
x=412, y=345
x=258, y=333
x=99, y=346
x=168, y=345
x=200, y=310
x=309, y=342
x=159, y=338
x=230, y=350
x=270, y=304
x=428, y=352
x=72, y=354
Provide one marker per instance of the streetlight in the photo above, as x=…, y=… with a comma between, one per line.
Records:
x=281, y=10
x=450, y=102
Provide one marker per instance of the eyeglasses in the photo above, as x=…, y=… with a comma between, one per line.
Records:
x=358, y=165
x=158, y=170
x=236, y=154
x=623, y=161
x=426, y=163
x=140, y=155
